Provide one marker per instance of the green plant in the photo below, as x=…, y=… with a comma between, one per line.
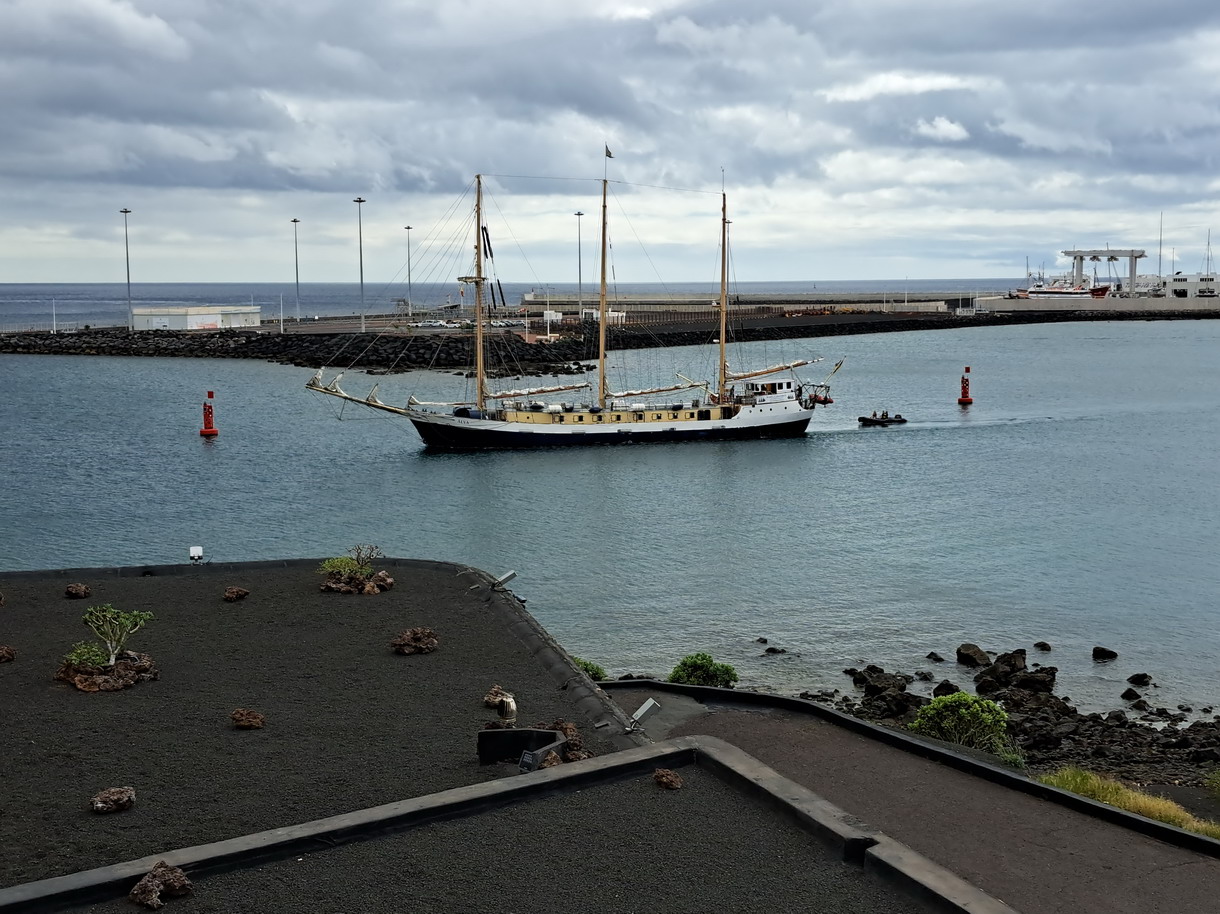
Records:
x=1115, y=793
x=701, y=669
x=114, y=627
x=965, y=719
x=1212, y=783
x=592, y=670
x=340, y=566
x=85, y=654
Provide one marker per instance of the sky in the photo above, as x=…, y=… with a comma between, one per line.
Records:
x=854, y=139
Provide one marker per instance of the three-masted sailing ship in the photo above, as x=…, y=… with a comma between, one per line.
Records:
x=771, y=402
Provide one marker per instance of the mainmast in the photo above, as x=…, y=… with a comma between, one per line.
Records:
x=722, y=373
x=601, y=312
x=479, y=369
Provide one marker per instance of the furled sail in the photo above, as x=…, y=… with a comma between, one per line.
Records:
x=742, y=375
x=618, y=395
x=530, y=391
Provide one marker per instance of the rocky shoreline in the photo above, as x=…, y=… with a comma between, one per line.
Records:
x=1143, y=745
x=401, y=351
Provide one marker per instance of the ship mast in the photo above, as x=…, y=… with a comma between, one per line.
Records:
x=601, y=312
x=479, y=368
x=723, y=371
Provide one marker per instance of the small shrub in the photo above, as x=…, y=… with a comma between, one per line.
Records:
x=114, y=627
x=85, y=654
x=340, y=566
x=1212, y=783
x=701, y=669
x=591, y=669
x=965, y=719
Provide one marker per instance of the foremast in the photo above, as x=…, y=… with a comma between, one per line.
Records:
x=480, y=369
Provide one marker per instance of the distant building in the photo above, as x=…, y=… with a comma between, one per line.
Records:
x=195, y=317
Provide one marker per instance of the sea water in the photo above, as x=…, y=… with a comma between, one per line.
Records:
x=1077, y=502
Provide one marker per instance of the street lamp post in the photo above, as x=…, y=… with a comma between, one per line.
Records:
x=360, y=235
x=296, y=260
x=580, y=283
x=409, y=311
x=131, y=318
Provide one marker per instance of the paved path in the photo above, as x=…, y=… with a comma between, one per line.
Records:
x=1035, y=855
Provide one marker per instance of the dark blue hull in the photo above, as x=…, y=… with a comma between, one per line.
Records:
x=465, y=438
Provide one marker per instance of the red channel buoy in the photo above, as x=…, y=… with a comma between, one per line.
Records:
x=211, y=431
x=965, y=399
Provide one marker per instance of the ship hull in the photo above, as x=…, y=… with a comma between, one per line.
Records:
x=440, y=433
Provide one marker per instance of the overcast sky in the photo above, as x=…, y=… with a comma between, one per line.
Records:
x=856, y=139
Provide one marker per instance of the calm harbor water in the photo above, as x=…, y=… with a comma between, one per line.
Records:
x=1077, y=501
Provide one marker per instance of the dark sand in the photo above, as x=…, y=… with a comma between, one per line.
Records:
x=349, y=724
x=629, y=846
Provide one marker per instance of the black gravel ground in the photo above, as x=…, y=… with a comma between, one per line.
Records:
x=349, y=724
x=630, y=846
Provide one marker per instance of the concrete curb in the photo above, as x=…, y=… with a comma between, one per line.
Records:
x=894, y=862
x=1169, y=833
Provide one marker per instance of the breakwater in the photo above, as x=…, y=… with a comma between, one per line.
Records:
x=404, y=351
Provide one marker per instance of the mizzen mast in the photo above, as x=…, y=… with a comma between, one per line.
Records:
x=601, y=312
x=722, y=372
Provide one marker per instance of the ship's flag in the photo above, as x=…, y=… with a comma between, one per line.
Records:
x=609, y=154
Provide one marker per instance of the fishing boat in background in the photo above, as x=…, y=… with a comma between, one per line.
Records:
x=1063, y=287
x=768, y=402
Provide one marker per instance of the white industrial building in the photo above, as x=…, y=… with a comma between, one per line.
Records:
x=195, y=317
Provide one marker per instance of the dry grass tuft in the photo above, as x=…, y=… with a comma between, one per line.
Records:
x=1114, y=793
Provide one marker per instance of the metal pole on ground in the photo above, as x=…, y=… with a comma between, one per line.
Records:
x=296, y=259
x=131, y=320
x=359, y=201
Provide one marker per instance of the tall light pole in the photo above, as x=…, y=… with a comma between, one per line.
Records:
x=408, y=228
x=131, y=318
x=360, y=235
x=580, y=283
x=296, y=259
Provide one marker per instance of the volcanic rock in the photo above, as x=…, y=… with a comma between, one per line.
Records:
x=972, y=655
x=415, y=641
x=233, y=594
x=7, y=654
x=77, y=591
x=247, y=719
x=1042, y=645
x=775, y=650
x=113, y=799
x=1130, y=695
x=164, y=879
x=664, y=777
x=1143, y=680
x=935, y=657
x=1104, y=654
x=129, y=668
x=944, y=687
x=493, y=696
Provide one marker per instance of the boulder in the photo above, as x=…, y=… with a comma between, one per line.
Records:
x=1130, y=695
x=233, y=594
x=775, y=650
x=1039, y=680
x=77, y=591
x=7, y=654
x=1143, y=680
x=1042, y=645
x=1104, y=654
x=923, y=675
x=129, y=668
x=113, y=799
x=1003, y=669
x=945, y=687
x=935, y=657
x=884, y=682
x=972, y=655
